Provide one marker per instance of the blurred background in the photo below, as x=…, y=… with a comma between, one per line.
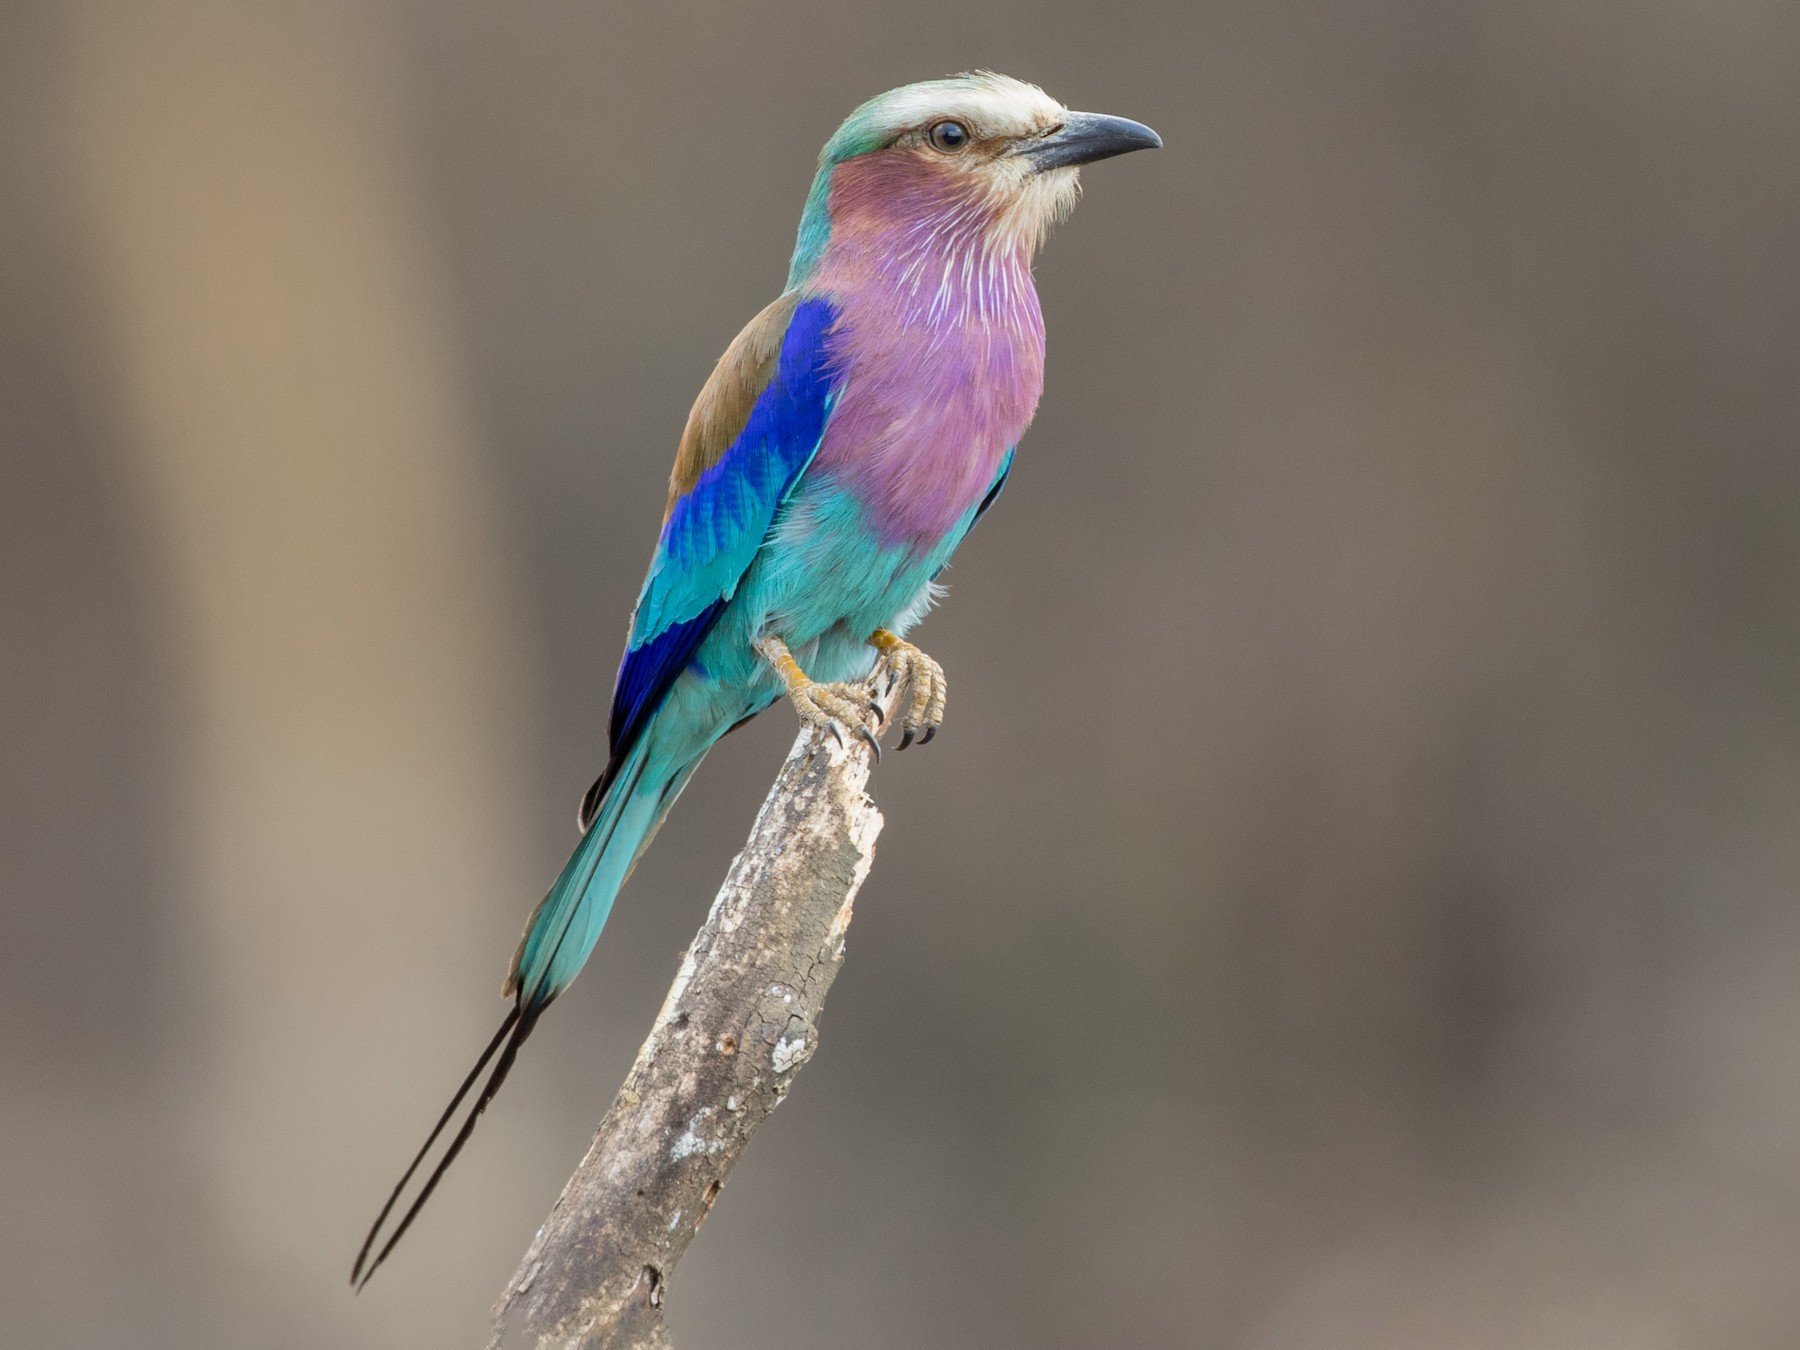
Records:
x=1386, y=936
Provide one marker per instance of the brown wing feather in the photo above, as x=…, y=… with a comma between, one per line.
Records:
x=724, y=405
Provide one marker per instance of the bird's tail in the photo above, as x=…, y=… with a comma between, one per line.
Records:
x=562, y=931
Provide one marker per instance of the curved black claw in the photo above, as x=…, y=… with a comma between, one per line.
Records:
x=836, y=735
x=929, y=733
x=905, y=740
x=874, y=744
x=876, y=712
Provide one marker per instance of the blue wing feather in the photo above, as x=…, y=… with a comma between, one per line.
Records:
x=993, y=492
x=714, y=529
x=647, y=672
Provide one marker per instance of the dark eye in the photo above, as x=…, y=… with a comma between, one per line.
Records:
x=948, y=137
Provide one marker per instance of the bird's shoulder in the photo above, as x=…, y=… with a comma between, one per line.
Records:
x=728, y=398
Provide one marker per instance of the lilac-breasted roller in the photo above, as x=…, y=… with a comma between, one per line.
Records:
x=847, y=441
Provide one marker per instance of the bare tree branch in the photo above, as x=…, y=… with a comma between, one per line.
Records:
x=739, y=1021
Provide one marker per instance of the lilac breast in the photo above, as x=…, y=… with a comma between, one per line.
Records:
x=940, y=342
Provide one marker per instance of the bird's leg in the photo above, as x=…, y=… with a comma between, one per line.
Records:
x=925, y=678
x=832, y=706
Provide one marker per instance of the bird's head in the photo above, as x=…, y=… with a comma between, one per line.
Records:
x=972, y=159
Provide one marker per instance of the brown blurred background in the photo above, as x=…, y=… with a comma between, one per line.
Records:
x=1383, y=933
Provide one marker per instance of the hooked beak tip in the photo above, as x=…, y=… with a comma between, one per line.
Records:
x=1084, y=138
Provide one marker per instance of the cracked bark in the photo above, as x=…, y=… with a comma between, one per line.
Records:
x=737, y=1025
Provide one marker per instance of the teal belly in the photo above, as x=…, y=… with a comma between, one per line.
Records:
x=822, y=583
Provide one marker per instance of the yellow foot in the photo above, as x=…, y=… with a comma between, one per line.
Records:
x=835, y=707
x=925, y=679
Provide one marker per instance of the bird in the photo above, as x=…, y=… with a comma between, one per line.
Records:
x=845, y=444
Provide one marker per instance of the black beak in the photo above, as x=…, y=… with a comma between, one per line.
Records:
x=1086, y=137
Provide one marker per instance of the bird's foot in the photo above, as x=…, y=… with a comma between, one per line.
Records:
x=924, y=678
x=838, y=708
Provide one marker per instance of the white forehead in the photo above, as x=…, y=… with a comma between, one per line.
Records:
x=992, y=105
